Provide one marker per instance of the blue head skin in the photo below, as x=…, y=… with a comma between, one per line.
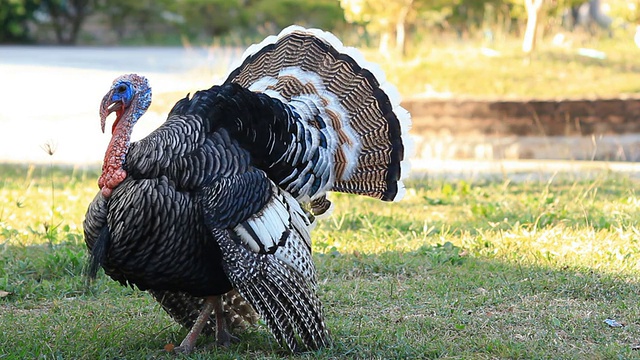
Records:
x=129, y=97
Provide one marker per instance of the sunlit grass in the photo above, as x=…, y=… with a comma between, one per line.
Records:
x=463, y=68
x=473, y=270
x=26, y=206
x=590, y=224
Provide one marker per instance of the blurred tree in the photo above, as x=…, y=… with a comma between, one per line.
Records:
x=210, y=17
x=395, y=17
x=533, y=8
x=248, y=17
x=472, y=15
x=383, y=17
x=531, y=11
x=324, y=14
x=14, y=15
x=67, y=17
x=122, y=15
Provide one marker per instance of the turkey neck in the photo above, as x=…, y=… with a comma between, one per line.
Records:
x=113, y=172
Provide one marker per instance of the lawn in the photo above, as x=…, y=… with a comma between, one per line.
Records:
x=497, y=70
x=457, y=270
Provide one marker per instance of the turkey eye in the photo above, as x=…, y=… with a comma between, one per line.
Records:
x=122, y=88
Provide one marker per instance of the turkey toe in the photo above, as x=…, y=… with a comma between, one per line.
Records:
x=225, y=339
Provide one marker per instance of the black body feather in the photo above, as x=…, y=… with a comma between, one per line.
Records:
x=99, y=252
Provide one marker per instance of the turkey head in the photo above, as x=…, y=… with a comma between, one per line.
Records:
x=129, y=97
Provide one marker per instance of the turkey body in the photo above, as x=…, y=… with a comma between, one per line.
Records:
x=158, y=237
x=140, y=252
x=214, y=209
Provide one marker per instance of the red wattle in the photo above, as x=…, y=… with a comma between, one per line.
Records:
x=112, y=172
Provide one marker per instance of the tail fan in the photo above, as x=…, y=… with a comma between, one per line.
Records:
x=353, y=115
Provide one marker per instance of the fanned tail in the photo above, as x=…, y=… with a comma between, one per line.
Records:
x=351, y=127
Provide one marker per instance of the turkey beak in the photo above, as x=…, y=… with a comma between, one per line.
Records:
x=107, y=107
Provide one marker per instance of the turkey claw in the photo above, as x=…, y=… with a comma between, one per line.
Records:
x=225, y=339
x=183, y=349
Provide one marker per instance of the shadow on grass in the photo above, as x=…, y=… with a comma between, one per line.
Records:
x=437, y=302
x=434, y=302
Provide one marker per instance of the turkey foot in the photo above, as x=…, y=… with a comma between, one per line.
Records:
x=223, y=336
x=225, y=339
x=189, y=342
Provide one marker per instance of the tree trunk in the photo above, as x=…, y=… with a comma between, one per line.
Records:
x=400, y=38
x=400, y=27
x=67, y=18
x=533, y=10
x=383, y=47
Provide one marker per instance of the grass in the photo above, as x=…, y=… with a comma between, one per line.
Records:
x=462, y=68
x=457, y=270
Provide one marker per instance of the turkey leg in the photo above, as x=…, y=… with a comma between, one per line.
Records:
x=223, y=336
x=189, y=342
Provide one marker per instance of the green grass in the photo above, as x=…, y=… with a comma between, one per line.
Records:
x=457, y=270
x=460, y=68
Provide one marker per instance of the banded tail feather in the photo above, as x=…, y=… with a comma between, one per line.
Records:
x=274, y=271
x=351, y=115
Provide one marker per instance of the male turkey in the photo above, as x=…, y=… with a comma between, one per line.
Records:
x=211, y=212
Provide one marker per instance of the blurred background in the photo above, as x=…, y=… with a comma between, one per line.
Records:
x=494, y=82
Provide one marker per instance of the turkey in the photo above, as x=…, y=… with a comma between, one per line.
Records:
x=212, y=212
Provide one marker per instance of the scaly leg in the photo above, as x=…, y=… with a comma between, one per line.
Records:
x=223, y=337
x=189, y=342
